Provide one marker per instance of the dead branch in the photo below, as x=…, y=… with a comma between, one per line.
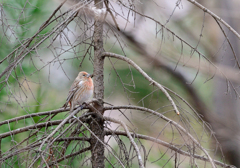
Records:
x=168, y=145
x=16, y=119
x=140, y=162
x=23, y=54
x=70, y=155
x=146, y=76
x=27, y=128
x=34, y=144
x=185, y=42
x=215, y=17
x=99, y=140
x=178, y=126
x=59, y=126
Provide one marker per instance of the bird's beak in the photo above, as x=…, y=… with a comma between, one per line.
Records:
x=90, y=75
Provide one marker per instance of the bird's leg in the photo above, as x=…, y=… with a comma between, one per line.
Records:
x=80, y=108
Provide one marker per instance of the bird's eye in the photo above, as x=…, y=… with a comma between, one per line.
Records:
x=84, y=75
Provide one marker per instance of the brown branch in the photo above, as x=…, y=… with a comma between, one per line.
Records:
x=99, y=141
x=178, y=126
x=185, y=42
x=140, y=162
x=74, y=133
x=16, y=119
x=73, y=139
x=70, y=155
x=113, y=18
x=44, y=25
x=215, y=17
x=202, y=109
x=34, y=144
x=19, y=58
x=59, y=126
x=145, y=75
x=168, y=145
x=24, y=129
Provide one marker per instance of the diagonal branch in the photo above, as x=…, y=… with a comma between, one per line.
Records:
x=140, y=162
x=71, y=155
x=16, y=119
x=53, y=132
x=178, y=126
x=152, y=82
x=100, y=141
x=168, y=145
x=59, y=126
x=215, y=17
x=24, y=129
x=22, y=55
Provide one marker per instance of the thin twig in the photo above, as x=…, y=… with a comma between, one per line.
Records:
x=215, y=17
x=70, y=155
x=140, y=162
x=101, y=142
x=153, y=82
x=178, y=126
x=27, y=128
x=168, y=145
x=16, y=119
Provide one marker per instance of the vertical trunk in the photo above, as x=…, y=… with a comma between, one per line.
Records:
x=96, y=123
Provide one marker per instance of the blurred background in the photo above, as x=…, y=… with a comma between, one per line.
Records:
x=189, y=52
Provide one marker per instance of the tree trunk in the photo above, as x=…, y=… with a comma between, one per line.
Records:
x=96, y=123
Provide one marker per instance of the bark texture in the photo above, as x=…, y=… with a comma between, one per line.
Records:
x=96, y=123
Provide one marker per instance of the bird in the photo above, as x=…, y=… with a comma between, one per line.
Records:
x=80, y=91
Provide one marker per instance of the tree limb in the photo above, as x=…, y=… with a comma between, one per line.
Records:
x=152, y=82
x=140, y=162
x=215, y=17
x=168, y=145
x=169, y=121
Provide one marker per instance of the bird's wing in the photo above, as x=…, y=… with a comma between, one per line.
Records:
x=72, y=91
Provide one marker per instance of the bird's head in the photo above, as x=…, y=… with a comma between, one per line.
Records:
x=84, y=76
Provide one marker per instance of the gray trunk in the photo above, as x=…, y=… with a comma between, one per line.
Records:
x=96, y=123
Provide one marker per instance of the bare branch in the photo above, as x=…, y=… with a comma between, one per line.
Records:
x=99, y=140
x=71, y=155
x=59, y=126
x=140, y=162
x=27, y=128
x=152, y=82
x=215, y=17
x=33, y=145
x=34, y=115
x=168, y=145
x=169, y=121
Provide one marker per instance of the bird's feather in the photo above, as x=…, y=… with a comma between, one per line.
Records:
x=71, y=92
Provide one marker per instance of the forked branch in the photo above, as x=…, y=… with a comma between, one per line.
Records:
x=140, y=162
x=168, y=145
x=145, y=75
x=214, y=16
x=178, y=126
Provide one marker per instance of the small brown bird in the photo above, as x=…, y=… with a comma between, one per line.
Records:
x=80, y=91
